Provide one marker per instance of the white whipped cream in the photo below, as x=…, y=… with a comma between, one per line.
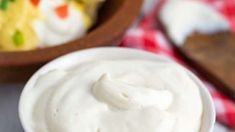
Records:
x=51, y=30
x=184, y=17
x=114, y=96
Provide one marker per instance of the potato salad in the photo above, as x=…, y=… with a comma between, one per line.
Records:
x=32, y=24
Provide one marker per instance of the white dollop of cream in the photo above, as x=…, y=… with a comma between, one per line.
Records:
x=182, y=18
x=52, y=30
x=114, y=96
x=125, y=96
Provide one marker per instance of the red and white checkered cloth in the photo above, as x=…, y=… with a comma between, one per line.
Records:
x=145, y=35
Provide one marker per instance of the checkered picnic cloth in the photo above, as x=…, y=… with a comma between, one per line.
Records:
x=145, y=35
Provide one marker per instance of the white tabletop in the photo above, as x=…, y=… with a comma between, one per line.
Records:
x=9, y=121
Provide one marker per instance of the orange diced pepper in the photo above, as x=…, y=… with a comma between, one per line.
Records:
x=35, y=2
x=62, y=11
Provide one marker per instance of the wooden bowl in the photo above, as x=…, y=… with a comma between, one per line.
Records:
x=114, y=18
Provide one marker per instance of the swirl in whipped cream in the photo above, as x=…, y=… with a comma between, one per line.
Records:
x=114, y=96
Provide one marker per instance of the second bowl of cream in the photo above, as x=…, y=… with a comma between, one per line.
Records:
x=120, y=90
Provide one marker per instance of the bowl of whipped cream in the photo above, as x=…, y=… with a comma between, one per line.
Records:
x=115, y=90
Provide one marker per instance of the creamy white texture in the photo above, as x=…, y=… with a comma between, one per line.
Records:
x=51, y=30
x=182, y=18
x=114, y=96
